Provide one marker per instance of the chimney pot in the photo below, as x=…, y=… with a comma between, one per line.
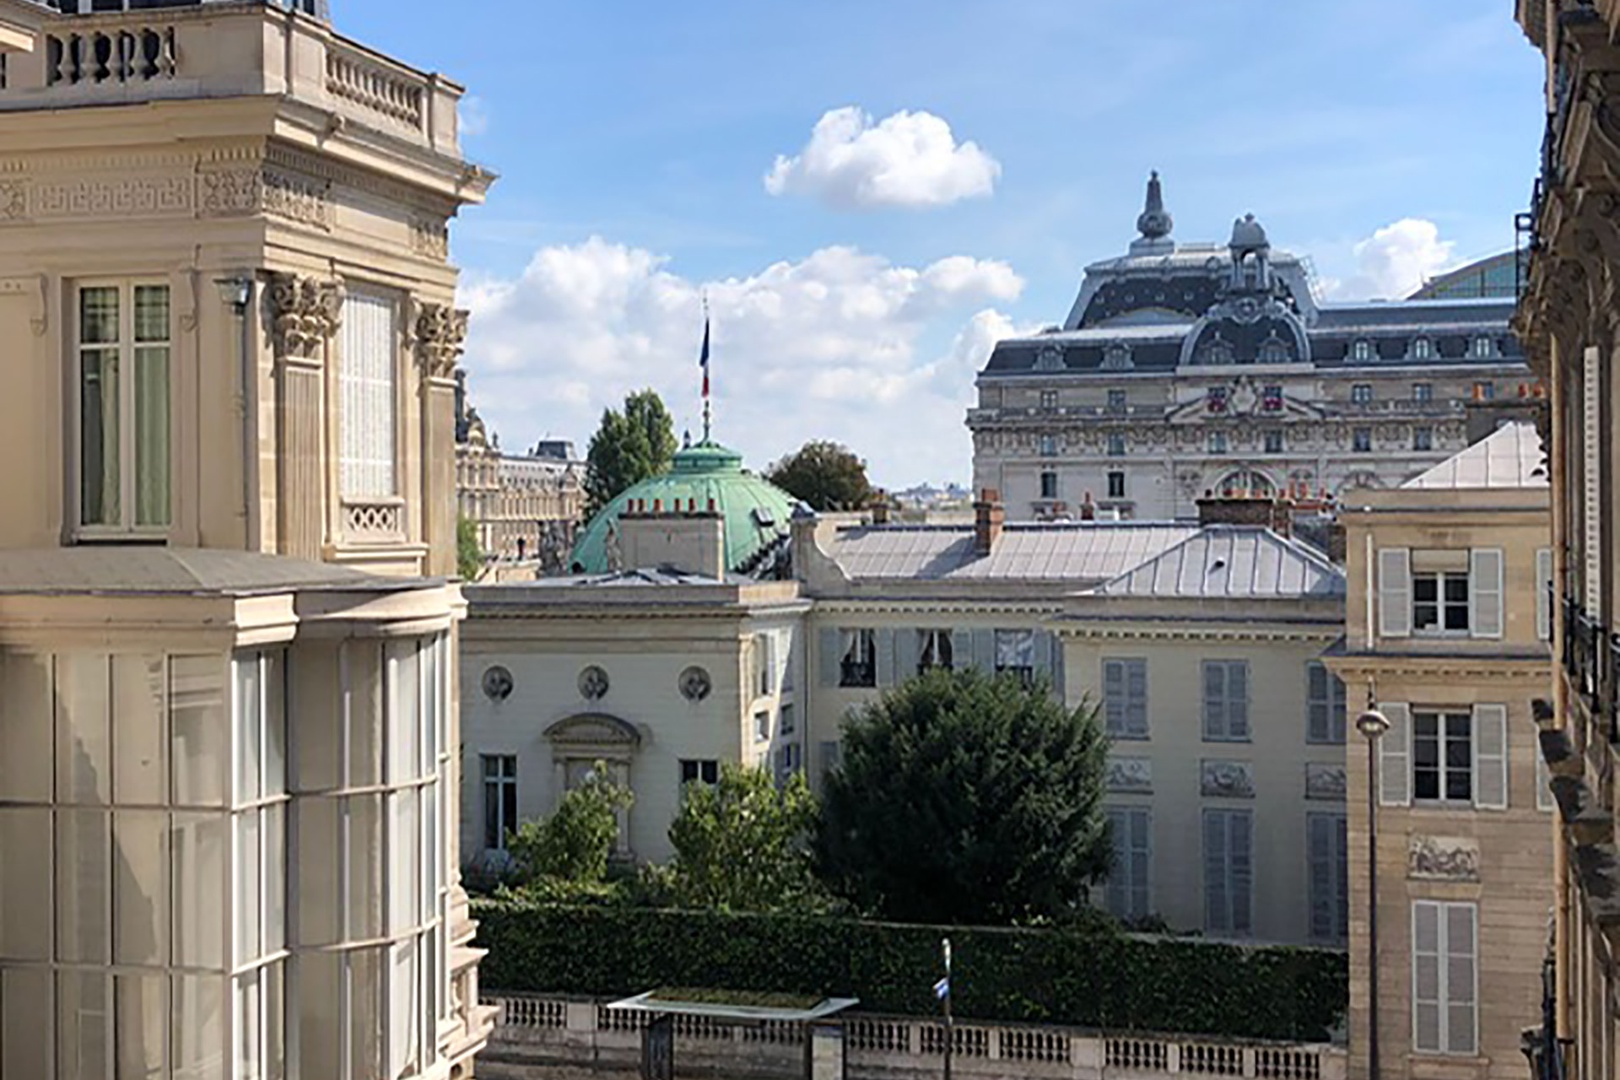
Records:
x=988, y=519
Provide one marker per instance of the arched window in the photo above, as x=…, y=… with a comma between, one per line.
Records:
x=1361, y=350
x=1422, y=349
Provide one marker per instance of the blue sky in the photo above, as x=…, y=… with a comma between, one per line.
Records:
x=854, y=297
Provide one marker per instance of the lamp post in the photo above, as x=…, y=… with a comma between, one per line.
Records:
x=1372, y=724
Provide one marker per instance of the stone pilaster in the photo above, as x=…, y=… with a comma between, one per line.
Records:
x=306, y=314
x=439, y=331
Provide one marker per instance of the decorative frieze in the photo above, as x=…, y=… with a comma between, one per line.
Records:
x=307, y=312
x=243, y=191
x=13, y=200
x=1325, y=782
x=430, y=237
x=1130, y=774
x=112, y=196
x=440, y=331
x=1227, y=780
x=1443, y=858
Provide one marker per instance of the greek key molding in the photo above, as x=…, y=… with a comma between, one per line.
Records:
x=307, y=311
x=112, y=197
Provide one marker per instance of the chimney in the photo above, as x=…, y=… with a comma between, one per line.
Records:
x=689, y=542
x=988, y=518
x=880, y=512
x=1338, y=542
x=1263, y=511
x=1088, y=509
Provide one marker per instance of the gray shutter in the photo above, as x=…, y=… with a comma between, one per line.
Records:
x=1544, y=599
x=1490, y=757
x=1395, y=756
x=1114, y=712
x=1237, y=699
x=885, y=657
x=1136, y=697
x=961, y=650
x=1043, y=652
x=1485, y=592
x=984, y=650
x=1241, y=853
x=1215, y=903
x=1319, y=703
x=1462, y=978
x=1394, y=592
x=1141, y=849
x=907, y=648
x=828, y=655
x=1319, y=855
x=1119, y=835
x=1059, y=686
x=1426, y=976
x=1214, y=700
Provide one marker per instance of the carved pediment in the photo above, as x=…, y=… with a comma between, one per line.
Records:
x=593, y=729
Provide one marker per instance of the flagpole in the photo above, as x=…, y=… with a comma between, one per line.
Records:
x=950, y=1041
x=707, y=414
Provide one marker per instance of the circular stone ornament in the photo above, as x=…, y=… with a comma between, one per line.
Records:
x=593, y=683
x=497, y=683
x=695, y=683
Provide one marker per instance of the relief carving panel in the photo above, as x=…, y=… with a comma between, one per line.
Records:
x=1443, y=858
x=1227, y=780
x=1325, y=782
x=1130, y=774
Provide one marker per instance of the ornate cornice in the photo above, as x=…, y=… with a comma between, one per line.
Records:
x=307, y=311
x=440, y=331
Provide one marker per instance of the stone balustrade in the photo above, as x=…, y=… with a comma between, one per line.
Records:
x=574, y=1038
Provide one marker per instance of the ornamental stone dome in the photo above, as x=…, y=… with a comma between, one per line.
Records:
x=704, y=478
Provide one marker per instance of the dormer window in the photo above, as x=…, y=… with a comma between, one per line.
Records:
x=1274, y=350
x=1117, y=357
x=1483, y=347
x=1215, y=351
x=1361, y=351
x=1422, y=349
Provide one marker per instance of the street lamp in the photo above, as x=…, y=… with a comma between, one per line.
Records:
x=1372, y=724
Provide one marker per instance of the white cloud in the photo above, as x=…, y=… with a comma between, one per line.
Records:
x=472, y=118
x=841, y=344
x=909, y=160
x=1394, y=261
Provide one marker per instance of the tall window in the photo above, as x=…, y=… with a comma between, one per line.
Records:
x=1228, y=871
x=1361, y=350
x=1440, y=601
x=1116, y=444
x=368, y=365
x=1483, y=347
x=788, y=723
x=1226, y=700
x=1442, y=756
x=789, y=760
x=1422, y=348
x=1049, y=485
x=1015, y=653
x=1329, y=858
x=1274, y=441
x=1049, y=399
x=1324, y=695
x=1048, y=446
x=1423, y=438
x=762, y=726
x=123, y=376
x=1125, y=690
x=764, y=656
x=1361, y=393
x=1116, y=399
x=1445, y=977
x=1422, y=392
x=1116, y=485
x=500, y=799
x=1217, y=442
x=934, y=650
x=1129, y=889
x=1361, y=440
x=858, y=663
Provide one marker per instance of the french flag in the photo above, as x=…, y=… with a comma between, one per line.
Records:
x=703, y=357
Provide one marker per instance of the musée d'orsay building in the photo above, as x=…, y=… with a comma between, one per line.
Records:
x=1186, y=368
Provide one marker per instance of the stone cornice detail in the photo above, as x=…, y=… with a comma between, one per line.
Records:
x=440, y=333
x=845, y=605
x=254, y=189
x=307, y=311
x=1490, y=669
x=1191, y=632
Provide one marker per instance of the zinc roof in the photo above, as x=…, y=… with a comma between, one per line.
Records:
x=1231, y=562
x=1509, y=457
x=1086, y=551
x=137, y=569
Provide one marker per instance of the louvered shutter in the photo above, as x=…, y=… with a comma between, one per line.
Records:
x=1215, y=894
x=1485, y=592
x=1141, y=849
x=829, y=655
x=1237, y=699
x=1395, y=756
x=1461, y=979
x=1060, y=686
x=1119, y=836
x=1490, y=757
x=1136, y=715
x=1043, y=653
x=961, y=650
x=984, y=650
x=1426, y=977
x=885, y=657
x=1240, y=845
x=907, y=649
x=1114, y=696
x=1318, y=703
x=1394, y=592
x=1319, y=843
x=1214, y=700
x=1544, y=598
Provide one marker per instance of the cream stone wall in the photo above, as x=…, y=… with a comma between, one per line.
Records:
x=1498, y=859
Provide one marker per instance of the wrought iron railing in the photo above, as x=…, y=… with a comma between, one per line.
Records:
x=1584, y=659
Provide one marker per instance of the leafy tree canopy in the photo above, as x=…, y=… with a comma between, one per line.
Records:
x=628, y=447
x=966, y=798
x=824, y=474
x=469, y=556
x=573, y=845
x=743, y=844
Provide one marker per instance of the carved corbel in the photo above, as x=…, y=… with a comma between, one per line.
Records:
x=307, y=312
x=440, y=331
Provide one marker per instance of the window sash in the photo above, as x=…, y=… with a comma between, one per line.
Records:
x=122, y=373
x=1445, y=977
x=500, y=799
x=1442, y=756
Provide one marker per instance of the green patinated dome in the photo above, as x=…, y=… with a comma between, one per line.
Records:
x=705, y=476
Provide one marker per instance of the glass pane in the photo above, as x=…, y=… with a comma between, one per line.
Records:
x=405, y=719
x=152, y=436
x=249, y=861
x=405, y=1012
x=275, y=722
x=249, y=1029
x=1425, y=589
x=200, y=727
x=197, y=846
x=25, y=1022
x=98, y=315
x=249, y=727
x=25, y=885
x=137, y=720
x=198, y=1034
x=1456, y=589
x=99, y=491
x=274, y=989
x=82, y=773
x=82, y=1024
x=405, y=862
x=275, y=878
x=139, y=1026
x=151, y=313
x=140, y=887
x=363, y=862
x=26, y=735
x=362, y=699
x=367, y=1020
x=83, y=886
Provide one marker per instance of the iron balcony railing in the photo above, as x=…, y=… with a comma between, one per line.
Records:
x=1583, y=638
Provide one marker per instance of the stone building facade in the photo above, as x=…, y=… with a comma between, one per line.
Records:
x=1447, y=633
x=1186, y=368
x=526, y=506
x=1569, y=320
x=228, y=637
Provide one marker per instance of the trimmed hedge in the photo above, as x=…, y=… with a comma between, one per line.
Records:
x=1089, y=979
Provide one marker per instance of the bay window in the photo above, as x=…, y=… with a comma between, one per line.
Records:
x=122, y=362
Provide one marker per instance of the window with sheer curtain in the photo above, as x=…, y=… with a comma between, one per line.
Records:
x=368, y=397
x=122, y=346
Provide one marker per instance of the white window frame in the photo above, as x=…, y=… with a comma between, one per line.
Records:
x=126, y=347
x=1422, y=348
x=1444, y=959
x=1441, y=579
x=1443, y=741
x=500, y=782
x=1361, y=350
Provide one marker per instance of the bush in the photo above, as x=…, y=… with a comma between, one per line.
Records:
x=574, y=844
x=1088, y=975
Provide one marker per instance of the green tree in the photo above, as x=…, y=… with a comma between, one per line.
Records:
x=966, y=798
x=629, y=446
x=469, y=556
x=743, y=844
x=826, y=475
x=573, y=845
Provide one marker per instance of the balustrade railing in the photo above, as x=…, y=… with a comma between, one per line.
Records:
x=123, y=54
x=374, y=521
x=379, y=91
